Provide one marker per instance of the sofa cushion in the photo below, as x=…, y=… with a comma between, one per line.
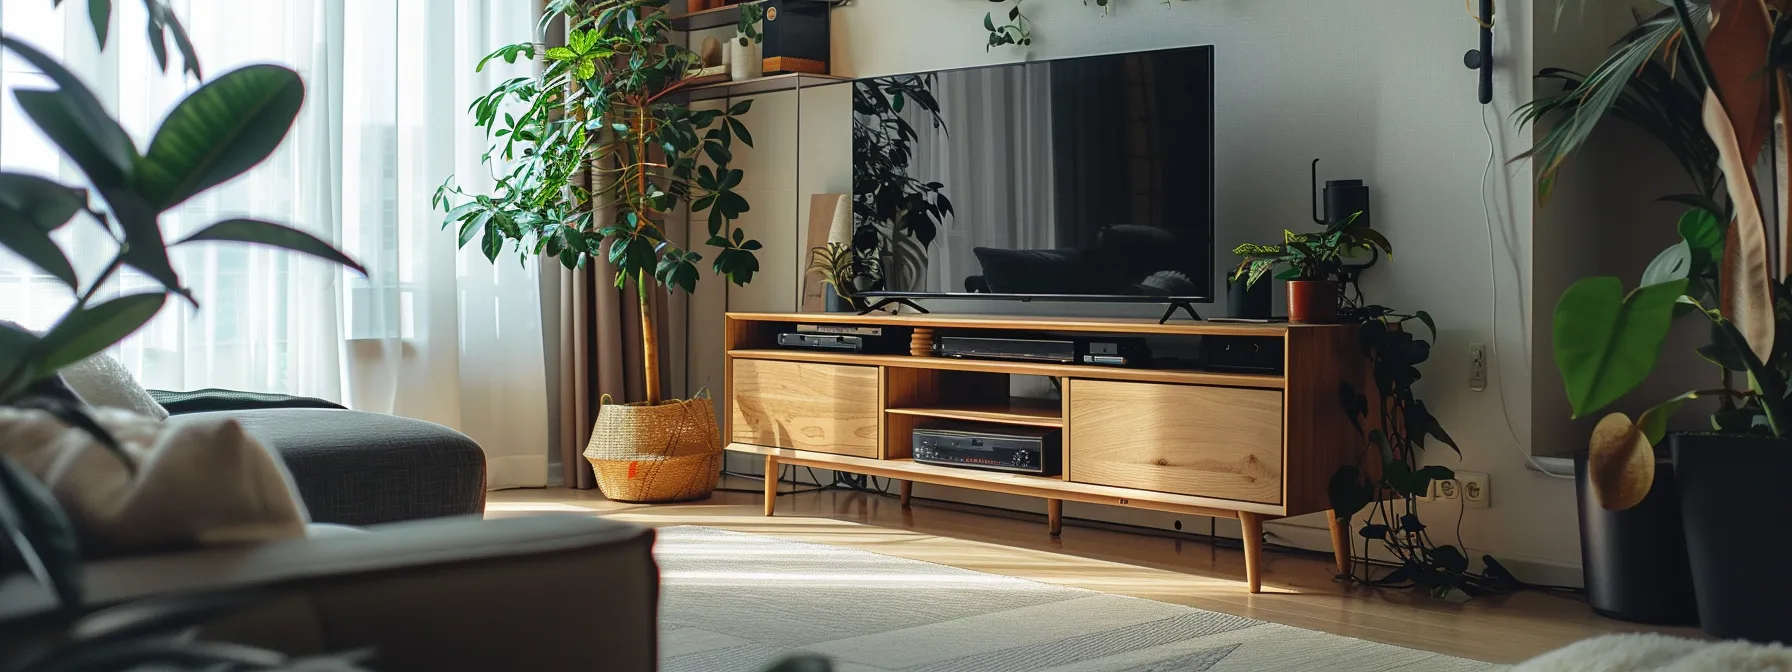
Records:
x=102, y=381
x=356, y=468
x=176, y=485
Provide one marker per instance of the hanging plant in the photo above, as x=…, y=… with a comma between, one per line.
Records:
x=1018, y=31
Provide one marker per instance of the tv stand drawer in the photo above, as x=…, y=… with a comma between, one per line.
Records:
x=827, y=408
x=1221, y=442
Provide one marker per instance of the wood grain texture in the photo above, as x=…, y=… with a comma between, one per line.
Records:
x=920, y=342
x=771, y=483
x=1022, y=368
x=1320, y=436
x=1219, y=442
x=1044, y=487
x=816, y=407
x=1252, y=537
x=1340, y=543
x=1016, y=411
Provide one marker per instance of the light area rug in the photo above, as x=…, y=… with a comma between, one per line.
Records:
x=737, y=601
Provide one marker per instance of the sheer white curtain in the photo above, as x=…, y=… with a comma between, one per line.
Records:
x=434, y=332
x=994, y=155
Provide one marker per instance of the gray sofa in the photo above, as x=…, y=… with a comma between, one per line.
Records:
x=354, y=468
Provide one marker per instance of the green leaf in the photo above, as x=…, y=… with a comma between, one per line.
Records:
x=740, y=129
x=1654, y=422
x=90, y=330
x=145, y=249
x=218, y=132
x=258, y=232
x=1607, y=342
x=40, y=533
x=741, y=107
x=1702, y=230
x=76, y=121
x=99, y=13
x=30, y=208
x=1430, y=324
x=1674, y=263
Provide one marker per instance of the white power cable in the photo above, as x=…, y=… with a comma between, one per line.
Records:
x=1494, y=311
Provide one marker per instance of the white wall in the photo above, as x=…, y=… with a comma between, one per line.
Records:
x=1377, y=90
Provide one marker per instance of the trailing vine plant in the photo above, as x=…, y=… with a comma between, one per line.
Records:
x=1388, y=478
x=1018, y=31
x=1392, y=423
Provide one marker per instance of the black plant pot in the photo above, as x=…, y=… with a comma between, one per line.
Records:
x=1249, y=302
x=1734, y=503
x=835, y=303
x=1634, y=561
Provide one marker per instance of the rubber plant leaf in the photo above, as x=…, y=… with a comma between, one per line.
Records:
x=218, y=132
x=1747, y=281
x=1607, y=342
x=1737, y=48
x=258, y=232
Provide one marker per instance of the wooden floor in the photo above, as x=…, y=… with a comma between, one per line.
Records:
x=1298, y=589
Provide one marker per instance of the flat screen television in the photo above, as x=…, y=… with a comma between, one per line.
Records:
x=1079, y=179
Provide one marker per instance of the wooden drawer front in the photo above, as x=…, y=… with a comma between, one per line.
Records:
x=821, y=407
x=1218, y=442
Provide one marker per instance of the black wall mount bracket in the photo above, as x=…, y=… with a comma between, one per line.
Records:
x=1482, y=59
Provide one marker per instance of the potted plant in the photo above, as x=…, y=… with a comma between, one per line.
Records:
x=600, y=157
x=745, y=56
x=1608, y=340
x=1313, y=266
x=838, y=269
x=215, y=133
x=1634, y=561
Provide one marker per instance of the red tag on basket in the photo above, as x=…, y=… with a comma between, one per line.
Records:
x=631, y=469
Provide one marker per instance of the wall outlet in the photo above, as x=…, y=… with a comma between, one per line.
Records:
x=1448, y=489
x=1477, y=366
x=1475, y=489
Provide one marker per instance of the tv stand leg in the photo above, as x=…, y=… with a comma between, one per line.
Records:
x=1171, y=311
x=900, y=301
x=1253, y=549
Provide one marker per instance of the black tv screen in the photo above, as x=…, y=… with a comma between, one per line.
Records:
x=1075, y=179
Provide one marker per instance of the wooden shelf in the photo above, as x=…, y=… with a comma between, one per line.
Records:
x=1022, y=368
x=1015, y=484
x=1106, y=325
x=789, y=81
x=718, y=17
x=1031, y=412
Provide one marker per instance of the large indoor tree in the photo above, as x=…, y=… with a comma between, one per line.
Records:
x=597, y=154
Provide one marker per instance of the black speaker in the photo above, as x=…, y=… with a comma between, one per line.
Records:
x=1242, y=354
x=796, y=36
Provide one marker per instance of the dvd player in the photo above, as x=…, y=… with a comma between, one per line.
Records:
x=1025, y=450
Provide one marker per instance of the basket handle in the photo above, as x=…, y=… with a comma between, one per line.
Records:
x=605, y=400
x=702, y=393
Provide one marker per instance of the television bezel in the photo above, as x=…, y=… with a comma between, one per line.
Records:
x=1212, y=216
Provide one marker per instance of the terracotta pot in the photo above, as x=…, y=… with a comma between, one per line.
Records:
x=1313, y=301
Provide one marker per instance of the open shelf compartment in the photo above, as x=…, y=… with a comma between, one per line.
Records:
x=1012, y=411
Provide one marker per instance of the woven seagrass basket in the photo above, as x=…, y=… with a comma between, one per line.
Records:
x=668, y=452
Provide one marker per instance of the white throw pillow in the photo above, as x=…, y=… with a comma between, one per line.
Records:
x=102, y=381
x=197, y=482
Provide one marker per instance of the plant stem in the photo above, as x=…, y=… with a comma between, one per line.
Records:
x=650, y=342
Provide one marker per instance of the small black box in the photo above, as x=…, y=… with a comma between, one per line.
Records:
x=1241, y=354
x=796, y=36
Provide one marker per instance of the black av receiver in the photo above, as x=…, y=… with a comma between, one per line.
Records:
x=1025, y=450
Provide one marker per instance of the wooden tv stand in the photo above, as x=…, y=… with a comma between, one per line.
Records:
x=1245, y=446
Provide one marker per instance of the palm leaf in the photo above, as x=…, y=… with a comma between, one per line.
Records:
x=1747, y=280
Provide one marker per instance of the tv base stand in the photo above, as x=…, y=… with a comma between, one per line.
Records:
x=1248, y=446
x=1171, y=312
x=893, y=300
